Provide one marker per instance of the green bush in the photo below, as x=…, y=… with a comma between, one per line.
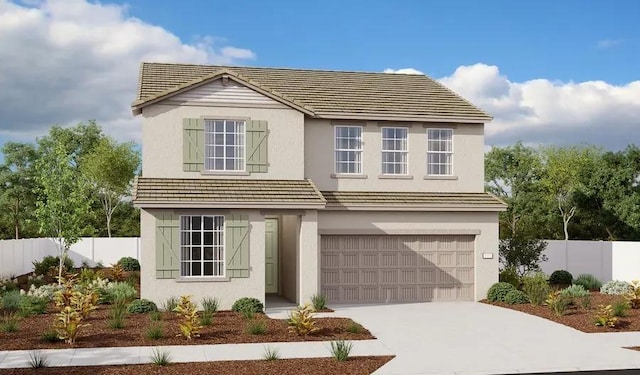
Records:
x=8, y=285
x=536, y=288
x=129, y=264
x=118, y=291
x=32, y=305
x=319, y=301
x=248, y=305
x=509, y=276
x=558, y=303
x=256, y=327
x=615, y=287
x=620, y=307
x=210, y=304
x=47, y=263
x=498, y=291
x=141, y=306
x=516, y=297
x=589, y=282
x=560, y=277
x=11, y=301
x=575, y=291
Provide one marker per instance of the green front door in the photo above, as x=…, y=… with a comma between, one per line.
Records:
x=271, y=256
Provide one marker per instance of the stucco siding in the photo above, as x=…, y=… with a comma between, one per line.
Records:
x=290, y=229
x=468, y=164
x=484, y=225
x=158, y=290
x=162, y=139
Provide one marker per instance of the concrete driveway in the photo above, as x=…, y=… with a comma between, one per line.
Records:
x=475, y=338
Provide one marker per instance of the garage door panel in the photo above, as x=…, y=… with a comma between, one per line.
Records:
x=379, y=269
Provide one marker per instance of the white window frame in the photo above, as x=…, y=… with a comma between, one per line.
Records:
x=218, y=248
x=405, y=151
x=450, y=153
x=336, y=150
x=210, y=156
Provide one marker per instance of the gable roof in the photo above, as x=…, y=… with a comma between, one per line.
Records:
x=320, y=93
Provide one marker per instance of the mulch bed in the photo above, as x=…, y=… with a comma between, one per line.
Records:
x=228, y=327
x=581, y=318
x=355, y=365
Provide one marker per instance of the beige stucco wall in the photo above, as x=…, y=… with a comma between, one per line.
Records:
x=289, y=234
x=468, y=161
x=162, y=139
x=309, y=257
x=158, y=290
x=486, y=223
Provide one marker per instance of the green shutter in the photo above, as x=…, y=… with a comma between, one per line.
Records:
x=237, y=245
x=257, y=134
x=167, y=246
x=193, y=144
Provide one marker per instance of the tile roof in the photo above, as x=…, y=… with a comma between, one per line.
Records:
x=171, y=190
x=362, y=198
x=322, y=93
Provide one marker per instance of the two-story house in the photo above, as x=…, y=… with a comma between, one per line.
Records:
x=366, y=187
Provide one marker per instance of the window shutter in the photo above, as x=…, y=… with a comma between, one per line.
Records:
x=257, y=134
x=193, y=144
x=237, y=245
x=167, y=246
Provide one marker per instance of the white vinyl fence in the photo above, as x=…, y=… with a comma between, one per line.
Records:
x=17, y=256
x=606, y=260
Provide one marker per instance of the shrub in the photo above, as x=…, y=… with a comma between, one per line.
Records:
x=354, y=327
x=301, y=320
x=340, y=350
x=256, y=327
x=498, y=291
x=50, y=335
x=116, y=272
x=588, y=281
x=87, y=276
x=585, y=301
x=155, y=316
x=8, y=285
x=170, y=304
x=141, y=306
x=536, y=288
x=615, y=287
x=509, y=276
x=210, y=304
x=271, y=354
x=560, y=277
x=11, y=301
x=119, y=291
x=37, y=360
x=558, y=303
x=154, y=332
x=574, y=291
x=30, y=305
x=129, y=264
x=245, y=304
x=74, y=307
x=604, y=317
x=117, y=312
x=9, y=323
x=206, y=318
x=633, y=296
x=190, y=325
x=319, y=302
x=44, y=291
x=49, y=262
x=620, y=307
x=160, y=357
x=516, y=297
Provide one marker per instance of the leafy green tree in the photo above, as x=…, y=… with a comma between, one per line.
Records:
x=17, y=198
x=64, y=201
x=77, y=141
x=522, y=255
x=110, y=168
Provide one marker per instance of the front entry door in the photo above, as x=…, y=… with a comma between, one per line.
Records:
x=271, y=256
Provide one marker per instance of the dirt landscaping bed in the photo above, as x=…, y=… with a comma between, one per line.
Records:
x=582, y=318
x=355, y=365
x=227, y=327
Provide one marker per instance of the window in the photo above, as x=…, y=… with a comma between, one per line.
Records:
x=439, y=152
x=224, y=145
x=348, y=149
x=202, y=245
x=394, y=150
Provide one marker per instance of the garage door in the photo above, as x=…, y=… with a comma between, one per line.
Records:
x=384, y=269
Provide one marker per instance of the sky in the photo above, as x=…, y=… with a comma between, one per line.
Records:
x=549, y=72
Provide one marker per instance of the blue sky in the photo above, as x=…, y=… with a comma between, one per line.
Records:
x=550, y=72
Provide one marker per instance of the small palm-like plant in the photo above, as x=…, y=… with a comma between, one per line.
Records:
x=190, y=325
x=301, y=320
x=633, y=296
x=605, y=317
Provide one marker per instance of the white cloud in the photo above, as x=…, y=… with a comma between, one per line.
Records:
x=609, y=43
x=403, y=71
x=66, y=61
x=548, y=112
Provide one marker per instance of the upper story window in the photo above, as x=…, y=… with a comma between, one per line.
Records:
x=202, y=245
x=439, y=152
x=394, y=150
x=224, y=145
x=348, y=149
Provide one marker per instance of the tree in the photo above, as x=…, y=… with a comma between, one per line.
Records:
x=522, y=255
x=64, y=201
x=564, y=173
x=17, y=185
x=110, y=168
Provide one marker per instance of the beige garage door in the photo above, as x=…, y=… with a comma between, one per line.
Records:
x=387, y=269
